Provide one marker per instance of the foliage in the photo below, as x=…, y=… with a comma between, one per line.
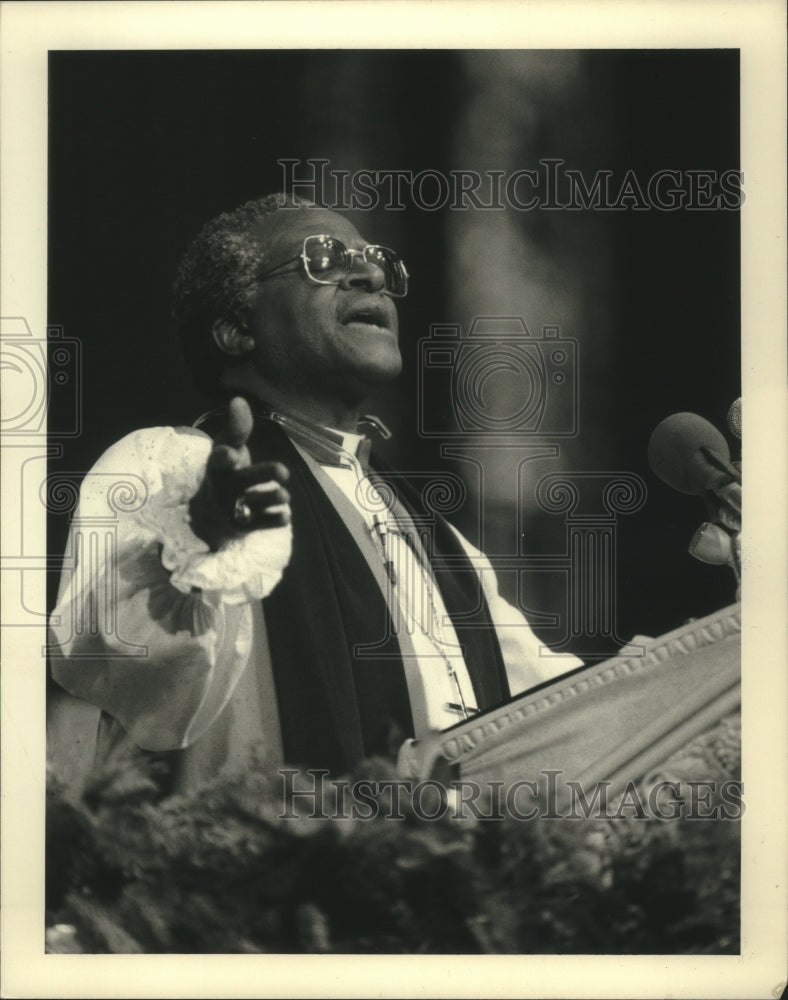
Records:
x=221, y=871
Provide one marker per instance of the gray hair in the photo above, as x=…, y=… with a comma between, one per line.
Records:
x=216, y=278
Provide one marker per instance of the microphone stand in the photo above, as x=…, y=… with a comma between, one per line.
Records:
x=718, y=541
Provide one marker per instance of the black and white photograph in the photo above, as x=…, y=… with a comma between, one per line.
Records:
x=375, y=472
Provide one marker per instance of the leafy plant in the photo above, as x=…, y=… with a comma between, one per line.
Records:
x=221, y=871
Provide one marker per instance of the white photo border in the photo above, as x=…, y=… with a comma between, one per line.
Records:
x=757, y=28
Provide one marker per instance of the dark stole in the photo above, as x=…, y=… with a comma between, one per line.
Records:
x=337, y=665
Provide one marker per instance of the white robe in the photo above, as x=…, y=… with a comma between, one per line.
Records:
x=170, y=639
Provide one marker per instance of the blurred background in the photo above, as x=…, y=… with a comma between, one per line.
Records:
x=145, y=147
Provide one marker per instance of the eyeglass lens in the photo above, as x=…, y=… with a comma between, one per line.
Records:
x=328, y=260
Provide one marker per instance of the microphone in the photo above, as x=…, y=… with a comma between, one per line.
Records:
x=689, y=454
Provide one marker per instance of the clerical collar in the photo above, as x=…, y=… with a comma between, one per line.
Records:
x=325, y=444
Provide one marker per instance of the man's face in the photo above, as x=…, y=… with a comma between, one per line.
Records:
x=330, y=341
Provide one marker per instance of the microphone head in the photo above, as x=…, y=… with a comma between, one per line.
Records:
x=675, y=453
x=734, y=418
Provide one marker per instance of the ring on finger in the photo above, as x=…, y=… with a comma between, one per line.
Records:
x=242, y=513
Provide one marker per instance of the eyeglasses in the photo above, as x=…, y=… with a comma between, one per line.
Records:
x=327, y=261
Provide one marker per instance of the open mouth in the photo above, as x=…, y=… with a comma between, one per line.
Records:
x=369, y=314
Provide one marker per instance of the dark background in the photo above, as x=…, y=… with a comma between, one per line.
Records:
x=146, y=146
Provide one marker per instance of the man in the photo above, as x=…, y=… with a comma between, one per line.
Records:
x=263, y=586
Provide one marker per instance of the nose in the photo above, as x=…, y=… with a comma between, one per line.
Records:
x=363, y=273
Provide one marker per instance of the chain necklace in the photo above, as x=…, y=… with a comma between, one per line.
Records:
x=436, y=636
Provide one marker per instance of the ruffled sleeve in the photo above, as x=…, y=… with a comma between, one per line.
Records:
x=150, y=625
x=245, y=569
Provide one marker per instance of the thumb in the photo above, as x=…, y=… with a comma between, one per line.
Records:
x=239, y=424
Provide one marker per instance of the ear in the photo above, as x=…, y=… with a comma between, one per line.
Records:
x=230, y=338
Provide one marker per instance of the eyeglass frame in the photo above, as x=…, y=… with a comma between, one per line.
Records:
x=350, y=254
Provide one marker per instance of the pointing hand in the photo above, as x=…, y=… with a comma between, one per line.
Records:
x=237, y=496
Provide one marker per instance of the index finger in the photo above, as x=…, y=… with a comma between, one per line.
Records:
x=261, y=472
